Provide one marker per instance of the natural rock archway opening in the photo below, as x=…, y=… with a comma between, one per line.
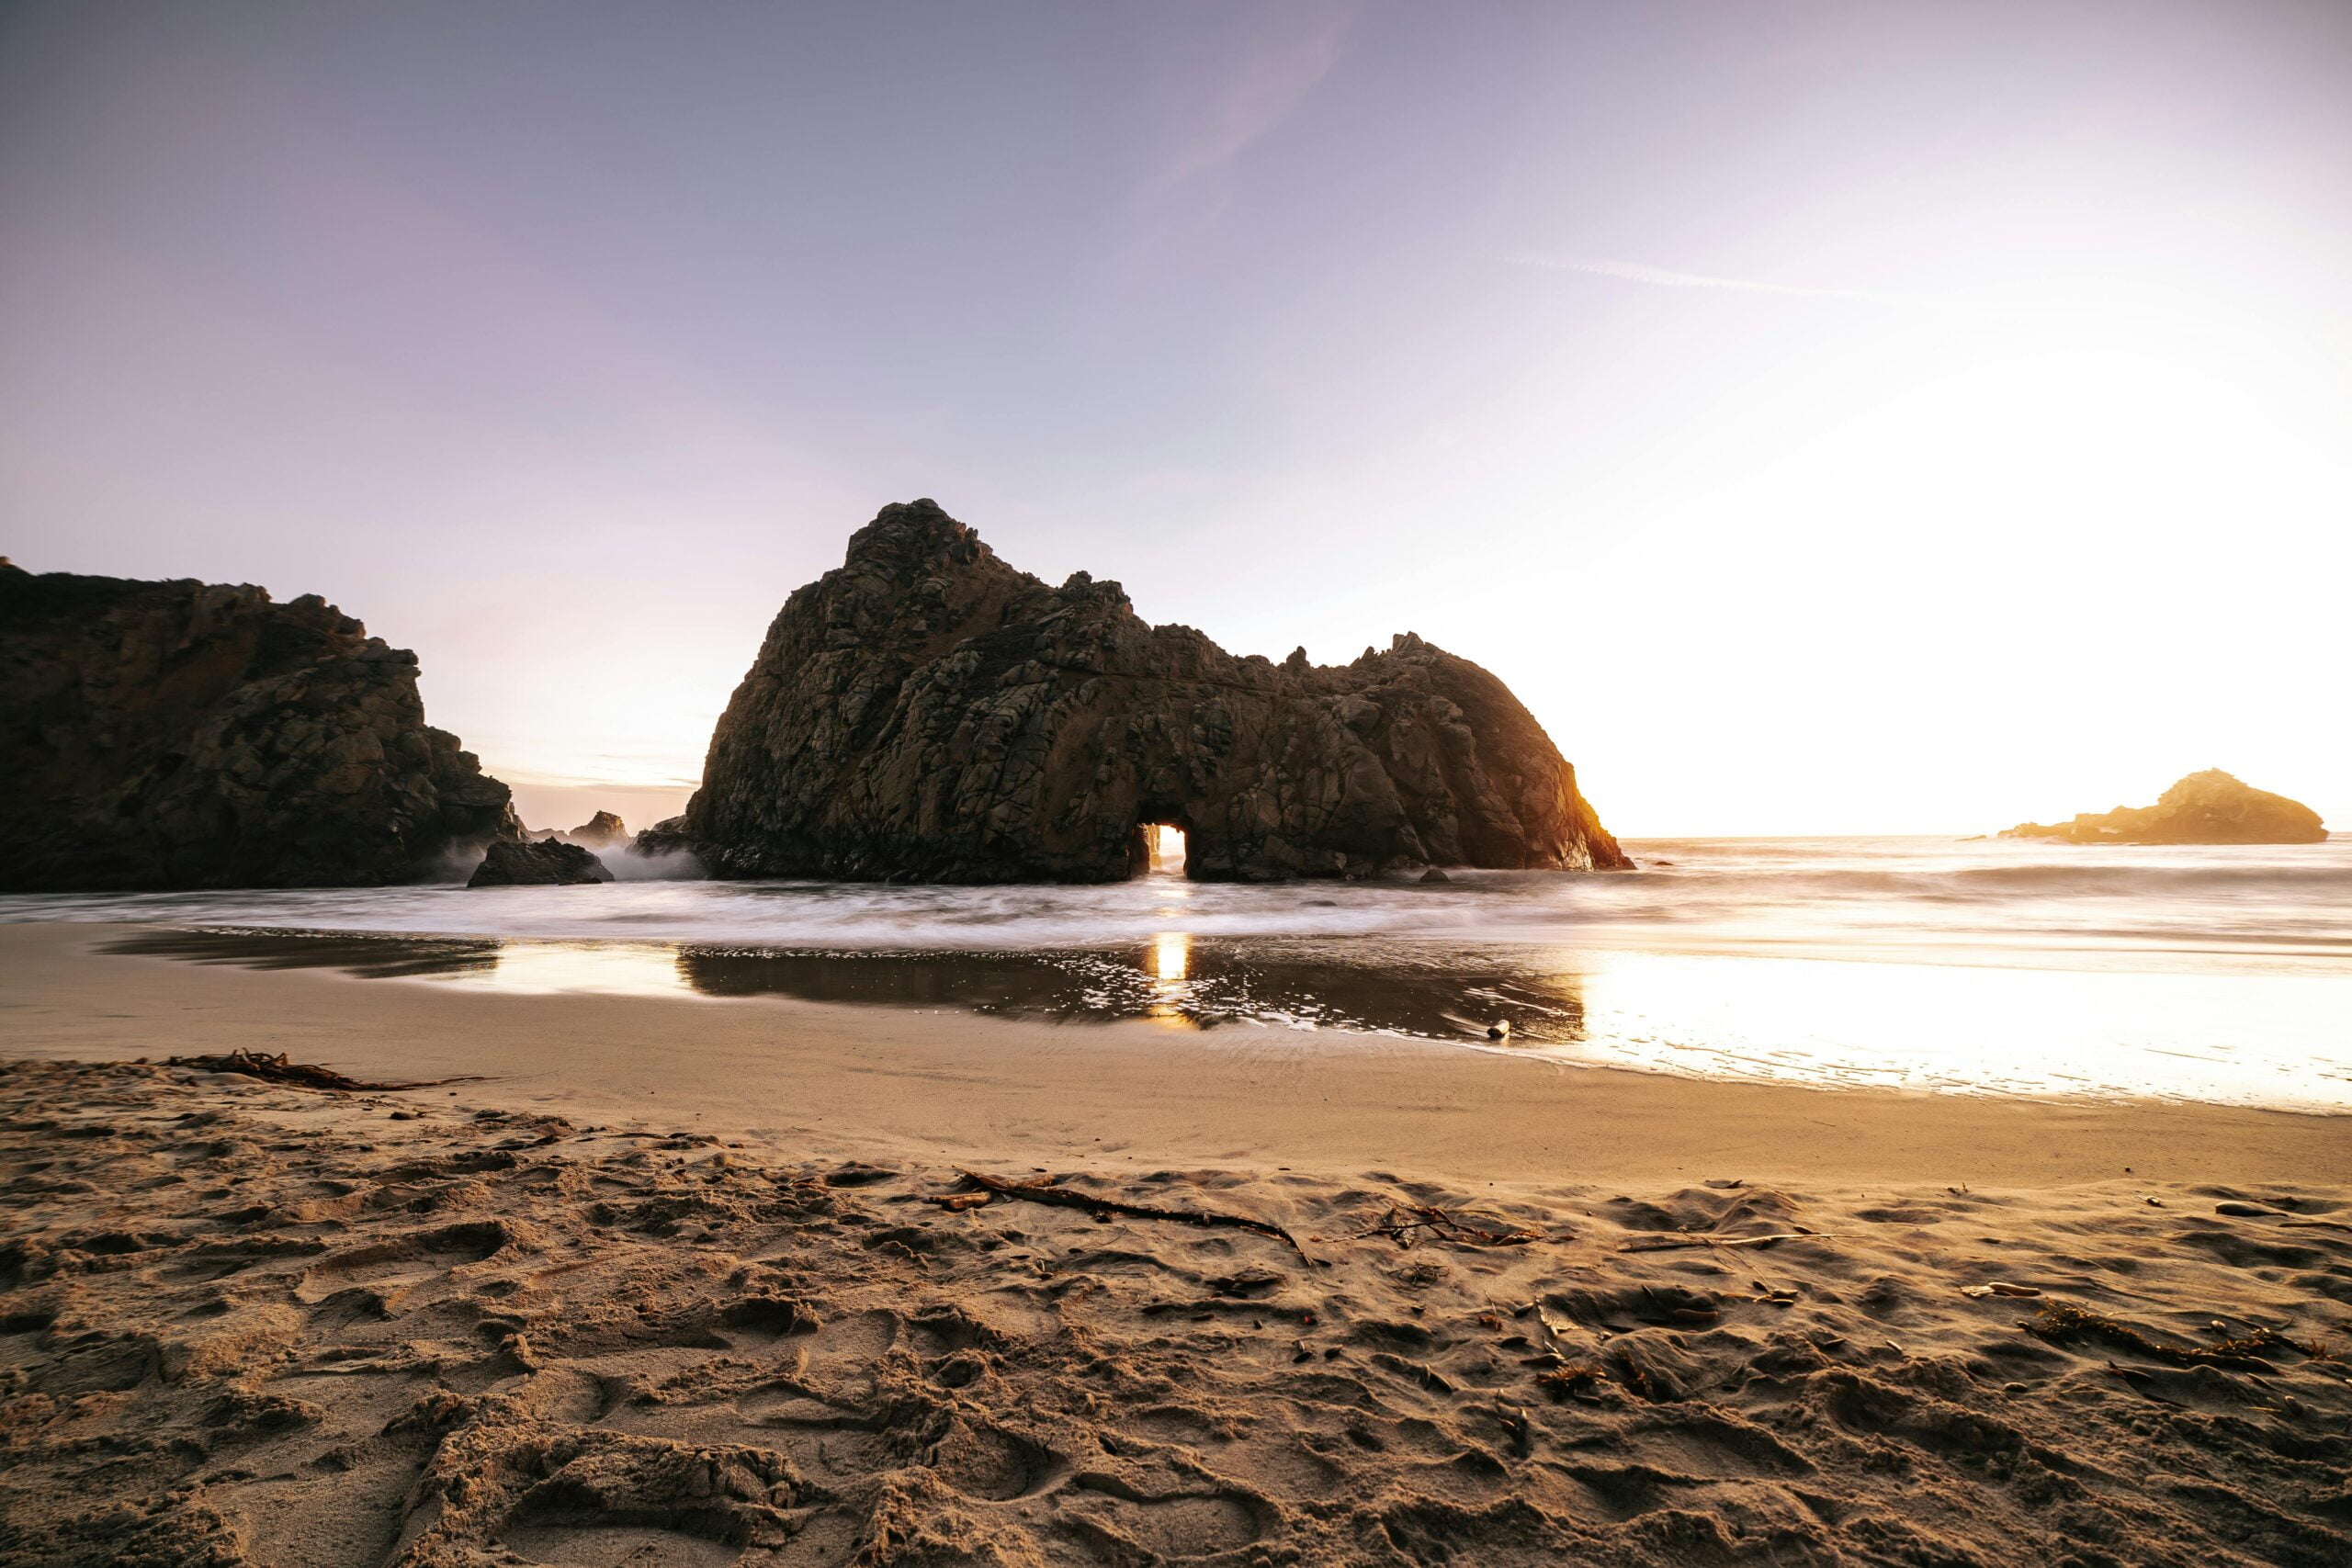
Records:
x=1159, y=850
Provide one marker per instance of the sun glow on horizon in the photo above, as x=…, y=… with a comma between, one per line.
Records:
x=1849, y=419
x=1977, y=562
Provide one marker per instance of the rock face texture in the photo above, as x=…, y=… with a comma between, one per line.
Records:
x=928, y=712
x=543, y=862
x=2210, y=807
x=186, y=735
x=599, y=830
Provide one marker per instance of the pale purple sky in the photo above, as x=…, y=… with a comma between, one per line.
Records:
x=1833, y=416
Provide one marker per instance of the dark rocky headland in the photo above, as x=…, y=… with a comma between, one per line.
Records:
x=161, y=735
x=927, y=712
x=2210, y=807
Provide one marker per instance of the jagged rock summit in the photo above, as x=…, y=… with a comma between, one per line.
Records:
x=191, y=735
x=2210, y=807
x=928, y=712
x=600, y=832
x=602, y=829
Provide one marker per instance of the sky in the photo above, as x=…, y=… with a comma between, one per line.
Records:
x=1827, y=415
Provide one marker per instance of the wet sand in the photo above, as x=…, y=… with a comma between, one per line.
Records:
x=861, y=1081
x=667, y=1284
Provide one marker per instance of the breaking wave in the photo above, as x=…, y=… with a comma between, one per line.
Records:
x=1966, y=901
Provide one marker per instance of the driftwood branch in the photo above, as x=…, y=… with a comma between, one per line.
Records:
x=2062, y=1321
x=1100, y=1205
x=304, y=1074
x=1671, y=1243
x=1407, y=1222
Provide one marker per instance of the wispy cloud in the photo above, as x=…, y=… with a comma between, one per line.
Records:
x=1294, y=49
x=1636, y=272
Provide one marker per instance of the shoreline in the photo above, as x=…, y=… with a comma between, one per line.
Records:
x=899, y=1082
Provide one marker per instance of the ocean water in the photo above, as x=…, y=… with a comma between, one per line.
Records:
x=1974, y=967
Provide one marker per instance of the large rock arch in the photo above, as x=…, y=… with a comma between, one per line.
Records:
x=926, y=712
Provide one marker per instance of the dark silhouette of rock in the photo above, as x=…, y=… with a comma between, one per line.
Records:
x=538, y=862
x=2210, y=807
x=928, y=712
x=190, y=735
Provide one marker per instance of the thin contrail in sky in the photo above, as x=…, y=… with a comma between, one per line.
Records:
x=1636, y=272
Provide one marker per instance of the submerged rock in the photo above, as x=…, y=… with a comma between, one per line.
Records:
x=928, y=712
x=192, y=735
x=2210, y=807
x=542, y=862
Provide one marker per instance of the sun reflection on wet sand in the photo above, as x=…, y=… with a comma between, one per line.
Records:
x=1169, y=951
x=640, y=969
x=1166, y=962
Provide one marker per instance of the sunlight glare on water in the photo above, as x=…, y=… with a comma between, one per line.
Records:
x=2245, y=1039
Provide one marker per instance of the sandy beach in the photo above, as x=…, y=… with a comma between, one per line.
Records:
x=1254, y=785
x=670, y=1281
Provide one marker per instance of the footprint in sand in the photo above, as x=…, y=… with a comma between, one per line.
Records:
x=992, y=1465
x=392, y=1269
x=614, y=1546
x=1120, y=1524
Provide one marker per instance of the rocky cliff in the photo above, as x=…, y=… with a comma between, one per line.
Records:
x=926, y=712
x=188, y=735
x=2210, y=807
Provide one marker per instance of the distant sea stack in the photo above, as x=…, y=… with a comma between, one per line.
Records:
x=2210, y=807
x=161, y=735
x=928, y=712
